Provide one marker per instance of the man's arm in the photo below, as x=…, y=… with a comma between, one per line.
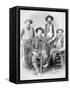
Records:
x=35, y=43
x=32, y=33
x=63, y=45
x=54, y=37
x=62, y=49
x=34, y=49
x=22, y=33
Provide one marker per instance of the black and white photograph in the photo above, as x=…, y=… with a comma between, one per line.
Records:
x=42, y=45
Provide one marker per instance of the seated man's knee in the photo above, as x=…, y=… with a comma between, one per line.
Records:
x=34, y=58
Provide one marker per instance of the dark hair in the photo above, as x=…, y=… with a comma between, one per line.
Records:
x=40, y=28
x=29, y=21
x=49, y=16
x=59, y=30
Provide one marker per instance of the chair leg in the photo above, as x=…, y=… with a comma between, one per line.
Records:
x=41, y=65
x=61, y=60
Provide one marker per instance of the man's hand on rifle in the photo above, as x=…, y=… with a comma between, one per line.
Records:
x=43, y=51
x=35, y=52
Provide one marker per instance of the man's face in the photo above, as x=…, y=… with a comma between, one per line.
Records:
x=49, y=20
x=28, y=24
x=59, y=33
x=39, y=32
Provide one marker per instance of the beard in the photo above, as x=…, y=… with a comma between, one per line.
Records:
x=28, y=27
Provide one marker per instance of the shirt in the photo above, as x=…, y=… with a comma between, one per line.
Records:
x=59, y=42
x=37, y=43
x=27, y=34
x=49, y=31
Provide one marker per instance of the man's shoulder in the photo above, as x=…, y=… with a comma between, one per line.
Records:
x=22, y=32
x=36, y=37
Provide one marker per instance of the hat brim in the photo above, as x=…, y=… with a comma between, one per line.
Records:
x=60, y=30
x=28, y=21
x=39, y=29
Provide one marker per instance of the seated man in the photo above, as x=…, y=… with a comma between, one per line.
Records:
x=58, y=43
x=38, y=48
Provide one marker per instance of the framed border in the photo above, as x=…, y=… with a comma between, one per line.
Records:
x=18, y=8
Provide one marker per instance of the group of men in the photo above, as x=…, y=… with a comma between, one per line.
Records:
x=39, y=45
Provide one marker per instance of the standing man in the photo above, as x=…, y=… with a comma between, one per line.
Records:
x=49, y=36
x=28, y=32
x=49, y=28
x=27, y=35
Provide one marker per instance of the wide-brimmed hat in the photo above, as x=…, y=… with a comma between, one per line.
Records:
x=28, y=20
x=39, y=28
x=59, y=30
x=49, y=16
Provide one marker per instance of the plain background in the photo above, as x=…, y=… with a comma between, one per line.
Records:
x=4, y=44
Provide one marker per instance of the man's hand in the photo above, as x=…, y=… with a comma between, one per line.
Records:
x=43, y=51
x=62, y=49
x=35, y=52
